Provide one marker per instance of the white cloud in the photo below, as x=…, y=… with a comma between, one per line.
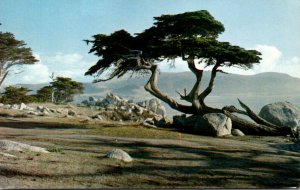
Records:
x=178, y=65
x=273, y=60
x=67, y=65
x=38, y=73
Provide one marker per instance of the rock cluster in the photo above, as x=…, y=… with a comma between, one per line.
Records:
x=114, y=107
x=38, y=110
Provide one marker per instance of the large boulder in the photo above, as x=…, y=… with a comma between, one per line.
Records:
x=212, y=124
x=281, y=114
x=215, y=124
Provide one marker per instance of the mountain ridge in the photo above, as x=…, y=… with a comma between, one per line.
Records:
x=255, y=90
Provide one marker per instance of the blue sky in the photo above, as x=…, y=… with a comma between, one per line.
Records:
x=54, y=29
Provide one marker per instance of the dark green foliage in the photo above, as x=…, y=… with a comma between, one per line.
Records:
x=16, y=95
x=65, y=88
x=191, y=35
x=44, y=94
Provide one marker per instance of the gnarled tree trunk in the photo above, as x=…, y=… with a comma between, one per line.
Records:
x=198, y=107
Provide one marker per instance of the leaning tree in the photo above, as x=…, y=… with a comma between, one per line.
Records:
x=13, y=52
x=191, y=36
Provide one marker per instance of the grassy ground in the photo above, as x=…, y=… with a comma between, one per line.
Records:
x=162, y=158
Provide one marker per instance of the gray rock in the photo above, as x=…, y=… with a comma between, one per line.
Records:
x=61, y=111
x=237, y=132
x=14, y=106
x=32, y=113
x=16, y=146
x=161, y=110
x=212, y=124
x=46, y=109
x=155, y=107
x=217, y=124
x=152, y=106
x=44, y=112
x=72, y=113
x=282, y=114
x=22, y=106
x=113, y=99
x=120, y=155
x=40, y=108
x=52, y=110
x=7, y=106
x=97, y=117
x=7, y=155
x=29, y=108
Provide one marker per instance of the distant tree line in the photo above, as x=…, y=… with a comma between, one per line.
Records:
x=60, y=91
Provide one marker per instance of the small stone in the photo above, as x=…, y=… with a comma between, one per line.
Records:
x=32, y=113
x=72, y=113
x=120, y=155
x=97, y=117
x=22, y=106
x=237, y=132
x=40, y=108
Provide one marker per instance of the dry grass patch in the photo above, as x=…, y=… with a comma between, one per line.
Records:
x=162, y=158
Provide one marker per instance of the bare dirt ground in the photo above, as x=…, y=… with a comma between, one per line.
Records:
x=162, y=158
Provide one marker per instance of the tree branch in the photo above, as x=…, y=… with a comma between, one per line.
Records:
x=210, y=86
x=251, y=127
x=256, y=118
x=192, y=96
x=152, y=87
x=3, y=78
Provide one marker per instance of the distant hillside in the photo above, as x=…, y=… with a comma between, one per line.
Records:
x=256, y=90
x=267, y=84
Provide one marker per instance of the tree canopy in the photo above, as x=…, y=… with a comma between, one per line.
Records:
x=16, y=95
x=64, y=89
x=13, y=52
x=191, y=36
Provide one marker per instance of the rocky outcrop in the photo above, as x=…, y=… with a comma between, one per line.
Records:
x=116, y=108
x=155, y=107
x=281, y=114
x=112, y=107
x=120, y=155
